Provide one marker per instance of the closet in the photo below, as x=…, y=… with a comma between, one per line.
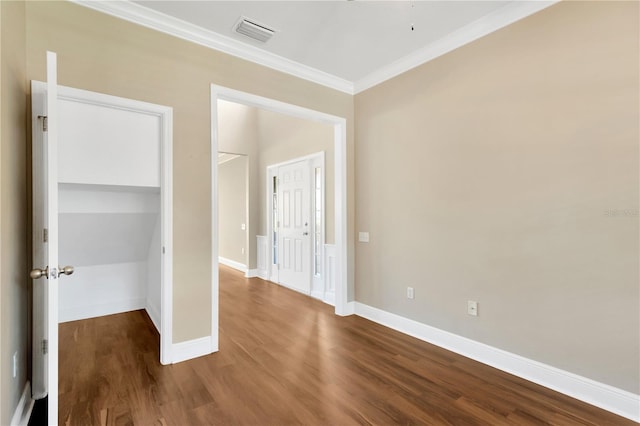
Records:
x=109, y=207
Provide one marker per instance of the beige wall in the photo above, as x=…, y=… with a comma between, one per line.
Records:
x=232, y=209
x=269, y=138
x=14, y=216
x=238, y=134
x=104, y=54
x=282, y=138
x=491, y=174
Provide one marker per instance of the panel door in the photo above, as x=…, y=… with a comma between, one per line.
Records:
x=45, y=272
x=294, y=239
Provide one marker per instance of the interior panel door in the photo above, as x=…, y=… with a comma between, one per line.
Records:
x=45, y=240
x=294, y=230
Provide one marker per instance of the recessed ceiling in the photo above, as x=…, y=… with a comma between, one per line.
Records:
x=360, y=43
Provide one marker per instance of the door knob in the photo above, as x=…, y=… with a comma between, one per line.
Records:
x=305, y=233
x=39, y=273
x=67, y=270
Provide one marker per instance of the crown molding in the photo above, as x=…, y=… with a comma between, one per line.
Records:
x=150, y=18
x=500, y=18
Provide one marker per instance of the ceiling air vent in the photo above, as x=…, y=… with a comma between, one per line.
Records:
x=251, y=28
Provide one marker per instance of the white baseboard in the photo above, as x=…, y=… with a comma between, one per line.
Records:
x=154, y=314
x=262, y=273
x=350, y=309
x=251, y=273
x=190, y=349
x=329, y=298
x=101, y=309
x=25, y=407
x=317, y=295
x=233, y=264
x=607, y=397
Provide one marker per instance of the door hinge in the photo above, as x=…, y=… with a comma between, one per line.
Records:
x=45, y=346
x=45, y=122
x=45, y=235
x=163, y=250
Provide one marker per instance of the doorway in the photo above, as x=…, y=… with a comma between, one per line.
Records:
x=338, y=125
x=233, y=212
x=113, y=214
x=295, y=207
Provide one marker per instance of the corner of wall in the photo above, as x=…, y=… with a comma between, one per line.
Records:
x=14, y=292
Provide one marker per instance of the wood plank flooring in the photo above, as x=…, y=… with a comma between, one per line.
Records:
x=286, y=359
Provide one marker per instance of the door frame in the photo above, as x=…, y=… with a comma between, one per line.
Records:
x=314, y=160
x=165, y=114
x=340, y=146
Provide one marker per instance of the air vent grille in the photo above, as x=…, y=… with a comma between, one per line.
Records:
x=254, y=30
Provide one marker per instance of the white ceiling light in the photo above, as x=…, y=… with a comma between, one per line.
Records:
x=254, y=30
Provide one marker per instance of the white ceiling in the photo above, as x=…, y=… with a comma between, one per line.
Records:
x=347, y=45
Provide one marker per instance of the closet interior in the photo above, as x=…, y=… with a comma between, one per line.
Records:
x=109, y=211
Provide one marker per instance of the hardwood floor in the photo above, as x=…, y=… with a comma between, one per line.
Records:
x=287, y=359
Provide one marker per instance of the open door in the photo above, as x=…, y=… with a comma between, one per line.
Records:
x=45, y=241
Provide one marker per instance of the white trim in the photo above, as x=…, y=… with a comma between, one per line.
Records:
x=215, y=278
x=350, y=308
x=165, y=114
x=329, y=273
x=262, y=250
x=166, y=237
x=141, y=15
x=340, y=143
x=190, y=349
x=154, y=314
x=251, y=273
x=158, y=21
x=316, y=156
x=24, y=408
x=272, y=271
x=313, y=160
x=607, y=397
x=499, y=18
x=340, y=202
x=233, y=264
x=100, y=309
x=317, y=294
x=110, y=101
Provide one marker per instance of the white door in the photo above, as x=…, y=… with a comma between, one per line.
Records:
x=294, y=236
x=45, y=241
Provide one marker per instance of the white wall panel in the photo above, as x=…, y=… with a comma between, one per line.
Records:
x=154, y=270
x=105, y=238
x=108, y=146
x=79, y=198
x=94, y=291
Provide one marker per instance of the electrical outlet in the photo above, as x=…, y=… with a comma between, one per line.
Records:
x=243, y=227
x=409, y=292
x=242, y=250
x=15, y=365
x=363, y=237
x=472, y=308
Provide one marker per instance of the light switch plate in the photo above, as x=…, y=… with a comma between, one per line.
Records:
x=363, y=237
